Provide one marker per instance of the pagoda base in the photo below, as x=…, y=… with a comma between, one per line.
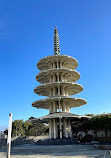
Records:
x=58, y=141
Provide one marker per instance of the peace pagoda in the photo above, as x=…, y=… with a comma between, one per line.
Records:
x=58, y=81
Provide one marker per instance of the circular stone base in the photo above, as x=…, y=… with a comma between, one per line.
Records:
x=58, y=141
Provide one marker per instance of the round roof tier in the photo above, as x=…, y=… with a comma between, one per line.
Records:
x=71, y=87
x=72, y=102
x=67, y=62
x=59, y=115
x=70, y=75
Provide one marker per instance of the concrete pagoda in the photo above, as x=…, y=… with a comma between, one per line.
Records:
x=58, y=81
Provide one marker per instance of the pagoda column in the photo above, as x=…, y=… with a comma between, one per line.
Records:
x=55, y=129
x=54, y=107
x=68, y=108
x=60, y=127
x=53, y=91
x=53, y=77
x=58, y=90
x=63, y=90
x=50, y=108
x=50, y=94
x=61, y=77
x=52, y=129
x=67, y=93
x=69, y=128
x=64, y=107
x=65, y=129
x=51, y=133
x=50, y=79
x=61, y=64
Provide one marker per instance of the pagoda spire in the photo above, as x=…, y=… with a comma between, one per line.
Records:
x=56, y=42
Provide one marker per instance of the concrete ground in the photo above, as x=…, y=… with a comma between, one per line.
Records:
x=56, y=151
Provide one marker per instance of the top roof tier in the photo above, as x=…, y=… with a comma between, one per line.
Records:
x=65, y=61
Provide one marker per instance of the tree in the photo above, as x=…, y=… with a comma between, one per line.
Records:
x=17, y=128
x=25, y=128
x=38, y=129
x=96, y=123
x=6, y=131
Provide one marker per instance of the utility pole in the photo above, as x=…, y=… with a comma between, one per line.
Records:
x=9, y=136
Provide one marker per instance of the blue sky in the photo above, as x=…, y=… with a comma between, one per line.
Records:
x=26, y=36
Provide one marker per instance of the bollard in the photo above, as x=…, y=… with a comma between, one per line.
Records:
x=9, y=136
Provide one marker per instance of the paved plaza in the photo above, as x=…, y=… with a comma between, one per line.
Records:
x=57, y=151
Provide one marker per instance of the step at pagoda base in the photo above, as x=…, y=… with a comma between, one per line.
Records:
x=58, y=141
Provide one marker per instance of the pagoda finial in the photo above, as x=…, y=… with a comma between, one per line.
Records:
x=56, y=42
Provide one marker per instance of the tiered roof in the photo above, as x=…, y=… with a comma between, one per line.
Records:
x=59, y=115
